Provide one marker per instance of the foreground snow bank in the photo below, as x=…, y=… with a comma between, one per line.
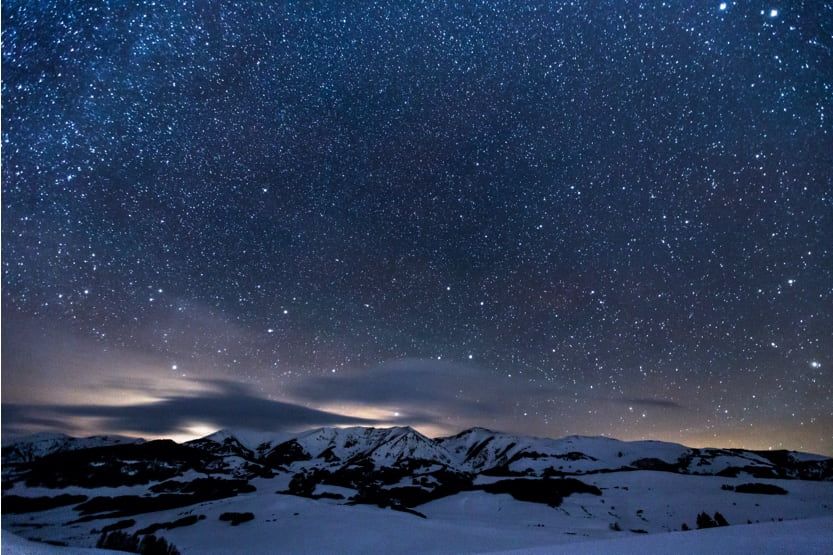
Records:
x=797, y=537
x=15, y=545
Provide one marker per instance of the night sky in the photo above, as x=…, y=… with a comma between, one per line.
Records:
x=541, y=217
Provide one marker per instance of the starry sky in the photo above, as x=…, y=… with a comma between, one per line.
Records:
x=542, y=217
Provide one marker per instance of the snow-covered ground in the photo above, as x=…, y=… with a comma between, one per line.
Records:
x=794, y=537
x=15, y=545
x=476, y=521
x=394, y=535
x=632, y=510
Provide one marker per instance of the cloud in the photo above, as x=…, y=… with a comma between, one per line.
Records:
x=436, y=396
x=423, y=390
x=651, y=402
x=22, y=419
x=427, y=385
x=224, y=405
x=448, y=396
x=413, y=380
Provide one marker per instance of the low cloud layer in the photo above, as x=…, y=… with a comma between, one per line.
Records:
x=453, y=394
x=94, y=390
x=224, y=405
x=412, y=382
x=650, y=402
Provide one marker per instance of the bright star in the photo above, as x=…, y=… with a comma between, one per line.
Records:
x=773, y=13
x=723, y=6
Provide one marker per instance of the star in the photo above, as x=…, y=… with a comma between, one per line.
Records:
x=640, y=225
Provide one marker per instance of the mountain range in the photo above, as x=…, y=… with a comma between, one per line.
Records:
x=87, y=491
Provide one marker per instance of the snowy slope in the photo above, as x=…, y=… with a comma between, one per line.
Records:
x=253, y=440
x=365, y=489
x=469, y=522
x=381, y=446
x=796, y=537
x=223, y=444
x=480, y=449
x=13, y=544
x=31, y=447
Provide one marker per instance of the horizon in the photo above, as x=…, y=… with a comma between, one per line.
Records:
x=287, y=435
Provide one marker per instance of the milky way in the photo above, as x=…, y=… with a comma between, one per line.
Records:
x=558, y=217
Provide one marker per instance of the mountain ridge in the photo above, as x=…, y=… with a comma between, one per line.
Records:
x=473, y=450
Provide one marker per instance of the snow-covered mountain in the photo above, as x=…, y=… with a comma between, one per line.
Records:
x=474, y=451
x=34, y=446
x=380, y=446
x=222, y=443
x=481, y=450
x=120, y=490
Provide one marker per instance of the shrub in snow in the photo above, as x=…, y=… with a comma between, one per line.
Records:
x=237, y=518
x=767, y=489
x=551, y=492
x=120, y=525
x=705, y=521
x=18, y=504
x=147, y=545
x=179, y=523
x=302, y=484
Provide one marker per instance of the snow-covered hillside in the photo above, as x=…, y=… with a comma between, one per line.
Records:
x=39, y=445
x=807, y=537
x=365, y=489
x=381, y=446
x=482, y=450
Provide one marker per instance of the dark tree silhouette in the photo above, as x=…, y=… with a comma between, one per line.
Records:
x=705, y=521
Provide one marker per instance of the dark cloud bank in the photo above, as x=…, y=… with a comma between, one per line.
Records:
x=413, y=391
x=228, y=405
